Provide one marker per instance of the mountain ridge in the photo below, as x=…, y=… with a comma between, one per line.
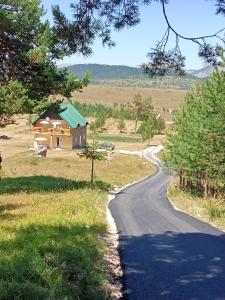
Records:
x=111, y=72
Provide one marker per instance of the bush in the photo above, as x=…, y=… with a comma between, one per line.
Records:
x=215, y=209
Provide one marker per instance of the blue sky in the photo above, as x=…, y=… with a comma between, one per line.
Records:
x=189, y=17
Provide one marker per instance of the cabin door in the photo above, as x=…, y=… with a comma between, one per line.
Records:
x=58, y=142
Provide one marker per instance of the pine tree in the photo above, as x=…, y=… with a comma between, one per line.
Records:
x=136, y=107
x=90, y=151
x=195, y=147
x=28, y=51
x=121, y=124
x=160, y=124
x=148, y=129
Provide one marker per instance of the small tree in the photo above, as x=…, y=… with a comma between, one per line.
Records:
x=141, y=108
x=160, y=125
x=121, y=124
x=13, y=99
x=148, y=108
x=100, y=120
x=147, y=129
x=91, y=152
x=136, y=107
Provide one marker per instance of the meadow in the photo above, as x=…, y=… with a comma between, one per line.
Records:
x=53, y=222
x=107, y=94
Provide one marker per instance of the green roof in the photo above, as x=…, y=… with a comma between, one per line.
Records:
x=69, y=114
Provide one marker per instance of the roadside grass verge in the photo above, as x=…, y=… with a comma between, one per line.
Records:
x=53, y=223
x=210, y=210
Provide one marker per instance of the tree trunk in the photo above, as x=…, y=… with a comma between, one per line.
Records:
x=136, y=120
x=205, y=189
x=0, y=165
x=92, y=171
x=181, y=177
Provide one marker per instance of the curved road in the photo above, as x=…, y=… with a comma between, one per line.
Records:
x=165, y=253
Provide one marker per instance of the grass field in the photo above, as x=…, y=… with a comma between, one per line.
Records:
x=50, y=245
x=53, y=222
x=166, y=98
x=211, y=210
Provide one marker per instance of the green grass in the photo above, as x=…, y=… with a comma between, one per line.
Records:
x=52, y=225
x=43, y=184
x=51, y=246
x=119, y=138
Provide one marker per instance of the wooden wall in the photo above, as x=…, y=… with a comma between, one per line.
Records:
x=79, y=136
x=71, y=138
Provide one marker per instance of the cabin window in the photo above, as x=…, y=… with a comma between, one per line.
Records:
x=57, y=125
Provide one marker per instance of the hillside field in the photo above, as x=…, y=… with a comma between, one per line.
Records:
x=106, y=94
x=53, y=222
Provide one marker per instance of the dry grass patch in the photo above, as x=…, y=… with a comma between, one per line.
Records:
x=20, y=137
x=167, y=98
x=163, y=99
x=211, y=210
x=120, y=171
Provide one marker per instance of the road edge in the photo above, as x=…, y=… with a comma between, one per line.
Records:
x=112, y=239
x=187, y=213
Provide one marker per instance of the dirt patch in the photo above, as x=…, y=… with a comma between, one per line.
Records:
x=113, y=259
x=20, y=137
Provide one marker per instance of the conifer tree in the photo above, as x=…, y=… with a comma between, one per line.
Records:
x=28, y=51
x=148, y=129
x=195, y=147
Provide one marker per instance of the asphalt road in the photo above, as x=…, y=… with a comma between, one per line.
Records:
x=165, y=253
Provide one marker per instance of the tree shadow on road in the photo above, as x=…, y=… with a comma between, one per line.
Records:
x=174, y=266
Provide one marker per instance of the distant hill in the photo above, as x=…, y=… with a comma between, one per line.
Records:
x=117, y=75
x=107, y=72
x=202, y=73
x=110, y=72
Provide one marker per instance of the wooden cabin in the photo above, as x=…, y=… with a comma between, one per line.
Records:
x=66, y=129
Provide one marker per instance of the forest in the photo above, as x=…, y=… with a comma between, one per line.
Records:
x=196, y=142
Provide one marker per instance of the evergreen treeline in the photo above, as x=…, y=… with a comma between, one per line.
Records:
x=196, y=143
x=116, y=111
x=167, y=82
